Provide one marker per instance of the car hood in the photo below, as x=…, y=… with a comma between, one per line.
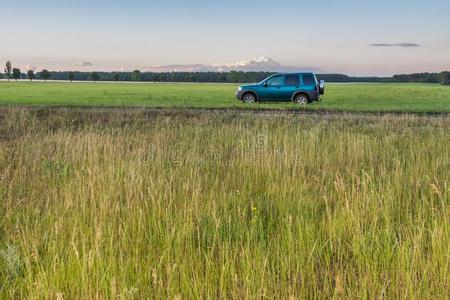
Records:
x=249, y=86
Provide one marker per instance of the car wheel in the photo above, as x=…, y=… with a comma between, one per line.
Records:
x=301, y=99
x=249, y=98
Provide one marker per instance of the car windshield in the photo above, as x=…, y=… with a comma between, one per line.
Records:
x=273, y=79
x=266, y=79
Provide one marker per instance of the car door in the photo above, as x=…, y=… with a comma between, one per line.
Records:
x=271, y=89
x=290, y=86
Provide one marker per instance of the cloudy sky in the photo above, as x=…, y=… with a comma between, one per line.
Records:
x=357, y=37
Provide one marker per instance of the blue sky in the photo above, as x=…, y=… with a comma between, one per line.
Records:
x=326, y=35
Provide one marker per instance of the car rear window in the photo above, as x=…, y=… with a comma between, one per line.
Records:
x=308, y=79
x=292, y=80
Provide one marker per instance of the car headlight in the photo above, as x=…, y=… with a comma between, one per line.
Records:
x=240, y=88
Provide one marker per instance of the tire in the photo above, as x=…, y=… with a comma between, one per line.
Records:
x=301, y=99
x=249, y=98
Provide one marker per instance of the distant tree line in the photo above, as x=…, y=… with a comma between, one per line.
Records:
x=16, y=74
x=213, y=77
x=225, y=77
x=443, y=78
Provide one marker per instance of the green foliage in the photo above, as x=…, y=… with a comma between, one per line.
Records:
x=30, y=75
x=45, y=74
x=445, y=78
x=417, y=77
x=16, y=73
x=115, y=76
x=11, y=263
x=132, y=204
x=94, y=76
x=71, y=76
x=8, y=69
x=341, y=97
x=136, y=76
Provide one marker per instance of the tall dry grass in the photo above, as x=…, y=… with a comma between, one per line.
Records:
x=130, y=204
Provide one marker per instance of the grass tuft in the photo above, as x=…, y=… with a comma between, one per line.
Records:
x=122, y=203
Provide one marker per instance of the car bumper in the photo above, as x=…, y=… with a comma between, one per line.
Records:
x=314, y=96
x=239, y=94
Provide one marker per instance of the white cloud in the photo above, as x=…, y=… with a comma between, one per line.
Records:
x=125, y=69
x=178, y=68
x=30, y=67
x=85, y=64
x=255, y=64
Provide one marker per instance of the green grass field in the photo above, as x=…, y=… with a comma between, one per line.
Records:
x=417, y=98
x=135, y=204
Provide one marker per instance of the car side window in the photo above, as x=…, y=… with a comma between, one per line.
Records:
x=291, y=80
x=277, y=80
x=308, y=79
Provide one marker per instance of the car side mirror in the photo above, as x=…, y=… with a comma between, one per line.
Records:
x=265, y=84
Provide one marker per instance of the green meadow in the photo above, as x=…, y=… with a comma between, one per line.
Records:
x=121, y=203
x=409, y=98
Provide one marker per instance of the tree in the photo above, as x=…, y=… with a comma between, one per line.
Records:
x=71, y=76
x=136, y=76
x=30, y=75
x=94, y=76
x=116, y=76
x=45, y=74
x=8, y=68
x=445, y=78
x=16, y=73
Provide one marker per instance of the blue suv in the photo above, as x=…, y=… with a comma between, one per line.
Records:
x=301, y=88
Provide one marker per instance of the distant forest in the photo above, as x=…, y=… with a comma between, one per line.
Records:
x=226, y=77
